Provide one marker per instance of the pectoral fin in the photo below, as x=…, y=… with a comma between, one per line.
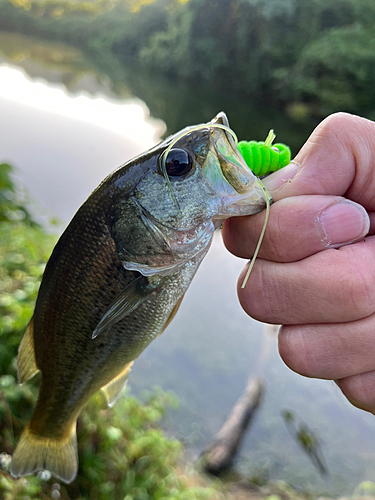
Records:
x=130, y=298
x=113, y=389
x=26, y=363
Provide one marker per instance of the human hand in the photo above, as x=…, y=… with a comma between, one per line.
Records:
x=323, y=293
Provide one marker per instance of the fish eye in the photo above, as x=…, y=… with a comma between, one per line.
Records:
x=178, y=163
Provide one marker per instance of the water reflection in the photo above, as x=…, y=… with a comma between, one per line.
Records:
x=55, y=63
x=181, y=102
x=128, y=119
x=177, y=102
x=64, y=145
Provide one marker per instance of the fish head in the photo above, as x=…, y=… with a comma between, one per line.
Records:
x=185, y=188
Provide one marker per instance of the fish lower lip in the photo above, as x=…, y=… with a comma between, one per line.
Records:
x=243, y=205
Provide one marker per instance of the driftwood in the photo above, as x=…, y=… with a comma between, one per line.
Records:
x=218, y=455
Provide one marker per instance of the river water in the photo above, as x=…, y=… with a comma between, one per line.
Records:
x=64, y=129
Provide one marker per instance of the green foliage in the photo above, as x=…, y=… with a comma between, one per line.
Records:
x=11, y=208
x=24, y=249
x=29, y=488
x=168, y=48
x=337, y=70
x=123, y=452
x=364, y=490
x=125, y=455
x=314, y=52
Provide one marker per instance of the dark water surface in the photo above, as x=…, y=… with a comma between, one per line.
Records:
x=65, y=125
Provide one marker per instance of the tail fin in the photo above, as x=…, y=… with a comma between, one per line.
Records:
x=34, y=453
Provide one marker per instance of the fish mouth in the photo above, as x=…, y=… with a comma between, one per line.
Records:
x=229, y=176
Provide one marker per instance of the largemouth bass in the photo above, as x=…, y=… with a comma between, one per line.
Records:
x=117, y=277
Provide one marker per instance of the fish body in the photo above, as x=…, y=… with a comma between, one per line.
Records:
x=116, y=278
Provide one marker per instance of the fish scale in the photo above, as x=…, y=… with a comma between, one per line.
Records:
x=117, y=277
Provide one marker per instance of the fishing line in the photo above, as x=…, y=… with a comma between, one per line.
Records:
x=268, y=199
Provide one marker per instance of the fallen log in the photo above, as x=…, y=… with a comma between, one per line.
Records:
x=219, y=454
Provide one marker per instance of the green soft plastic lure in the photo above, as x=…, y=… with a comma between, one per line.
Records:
x=262, y=157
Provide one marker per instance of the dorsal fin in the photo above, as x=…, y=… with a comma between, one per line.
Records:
x=26, y=362
x=113, y=389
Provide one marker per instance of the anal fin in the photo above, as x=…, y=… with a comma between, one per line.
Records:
x=35, y=452
x=26, y=362
x=113, y=389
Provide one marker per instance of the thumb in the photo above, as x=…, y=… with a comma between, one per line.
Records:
x=337, y=159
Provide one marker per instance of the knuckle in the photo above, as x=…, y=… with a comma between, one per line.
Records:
x=338, y=118
x=334, y=129
x=342, y=127
x=336, y=123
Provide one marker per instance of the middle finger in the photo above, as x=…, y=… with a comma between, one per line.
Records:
x=332, y=286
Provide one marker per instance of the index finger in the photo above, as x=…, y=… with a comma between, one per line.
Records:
x=337, y=159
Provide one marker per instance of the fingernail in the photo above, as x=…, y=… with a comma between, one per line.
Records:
x=281, y=177
x=343, y=222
